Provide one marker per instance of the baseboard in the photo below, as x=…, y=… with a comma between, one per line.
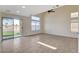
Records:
x=62, y=36
x=48, y=34
x=33, y=34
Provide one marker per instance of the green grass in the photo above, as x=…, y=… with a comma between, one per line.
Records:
x=10, y=33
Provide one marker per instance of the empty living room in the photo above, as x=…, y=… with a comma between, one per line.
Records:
x=39, y=28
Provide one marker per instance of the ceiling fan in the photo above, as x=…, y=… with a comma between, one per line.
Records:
x=52, y=10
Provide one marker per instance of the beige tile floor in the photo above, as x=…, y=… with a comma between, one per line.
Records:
x=42, y=43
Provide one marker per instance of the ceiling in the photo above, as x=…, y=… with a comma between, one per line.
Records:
x=26, y=10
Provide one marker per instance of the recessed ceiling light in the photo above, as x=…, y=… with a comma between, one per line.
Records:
x=23, y=6
x=18, y=11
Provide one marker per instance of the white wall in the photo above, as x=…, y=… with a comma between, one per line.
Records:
x=58, y=23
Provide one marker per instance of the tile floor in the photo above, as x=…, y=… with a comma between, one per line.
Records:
x=42, y=43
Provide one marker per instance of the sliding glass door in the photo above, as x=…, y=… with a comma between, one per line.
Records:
x=10, y=28
x=17, y=28
x=7, y=28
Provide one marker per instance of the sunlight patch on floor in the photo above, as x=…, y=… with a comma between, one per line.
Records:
x=46, y=45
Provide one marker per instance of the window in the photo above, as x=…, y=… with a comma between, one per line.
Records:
x=74, y=14
x=74, y=22
x=35, y=23
x=74, y=27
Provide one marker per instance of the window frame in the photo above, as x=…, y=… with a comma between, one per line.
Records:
x=36, y=21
